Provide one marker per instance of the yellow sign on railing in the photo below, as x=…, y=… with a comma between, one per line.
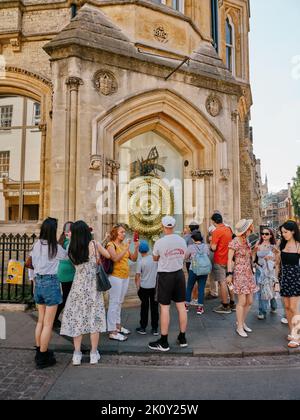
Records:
x=15, y=272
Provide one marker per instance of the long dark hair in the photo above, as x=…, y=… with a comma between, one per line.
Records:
x=292, y=227
x=49, y=234
x=272, y=237
x=63, y=237
x=80, y=240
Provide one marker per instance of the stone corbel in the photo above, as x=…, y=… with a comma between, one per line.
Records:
x=225, y=174
x=202, y=173
x=96, y=162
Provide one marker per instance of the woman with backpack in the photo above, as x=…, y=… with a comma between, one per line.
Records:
x=200, y=268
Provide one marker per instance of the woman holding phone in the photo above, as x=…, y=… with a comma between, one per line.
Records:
x=119, y=279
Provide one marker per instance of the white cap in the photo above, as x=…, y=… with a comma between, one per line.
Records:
x=168, y=222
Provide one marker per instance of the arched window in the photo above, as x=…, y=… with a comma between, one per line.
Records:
x=230, y=42
x=20, y=153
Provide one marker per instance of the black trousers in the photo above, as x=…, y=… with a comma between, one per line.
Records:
x=147, y=297
x=66, y=288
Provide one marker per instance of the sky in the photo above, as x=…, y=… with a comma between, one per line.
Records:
x=275, y=79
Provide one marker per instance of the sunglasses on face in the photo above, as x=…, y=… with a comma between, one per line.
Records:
x=265, y=234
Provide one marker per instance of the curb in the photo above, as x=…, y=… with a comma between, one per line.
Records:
x=178, y=353
x=13, y=307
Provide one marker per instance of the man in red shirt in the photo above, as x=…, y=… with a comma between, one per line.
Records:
x=221, y=237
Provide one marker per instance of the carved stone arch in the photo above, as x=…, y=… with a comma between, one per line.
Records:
x=165, y=105
x=18, y=81
x=173, y=117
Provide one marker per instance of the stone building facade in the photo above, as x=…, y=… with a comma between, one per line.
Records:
x=132, y=89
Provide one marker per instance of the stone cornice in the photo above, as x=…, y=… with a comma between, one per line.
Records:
x=150, y=67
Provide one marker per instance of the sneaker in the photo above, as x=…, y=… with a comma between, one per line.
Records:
x=187, y=308
x=211, y=297
x=124, y=331
x=141, y=331
x=94, y=358
x=233, y=307
x=77, y=357
x=181, y=341
x=118, y=337
x=222, y=310
x=242, y=333
x=261, y=317
x=247, y=329
x=154, y=331
x=200, y=310
x=159, y=346
x=284, y=321
x=274, y=311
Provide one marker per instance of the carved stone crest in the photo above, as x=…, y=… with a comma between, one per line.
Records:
x=105, y=82
x=213, y=105
x=161, y=35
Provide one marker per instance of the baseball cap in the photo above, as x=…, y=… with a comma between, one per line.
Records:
x=144, y=247
x=168, y=222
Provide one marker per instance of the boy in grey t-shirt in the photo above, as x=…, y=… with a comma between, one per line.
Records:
x=145, y=281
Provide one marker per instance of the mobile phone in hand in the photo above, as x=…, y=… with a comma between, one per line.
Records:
x=136, y=236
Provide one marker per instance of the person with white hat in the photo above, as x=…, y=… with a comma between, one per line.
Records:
x=170, y=252
x=242, y=280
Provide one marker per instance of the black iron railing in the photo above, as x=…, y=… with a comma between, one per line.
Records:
x=15, y=247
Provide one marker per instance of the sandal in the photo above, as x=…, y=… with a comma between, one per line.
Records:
x=294, y=344
x=118, y=337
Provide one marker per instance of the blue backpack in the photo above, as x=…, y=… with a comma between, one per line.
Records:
x=201, y=264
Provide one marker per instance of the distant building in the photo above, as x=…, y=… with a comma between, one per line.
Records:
x=276, y=209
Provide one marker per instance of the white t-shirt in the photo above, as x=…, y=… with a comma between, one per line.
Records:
x=147, y=268
x=40, y=259
x=171, y=249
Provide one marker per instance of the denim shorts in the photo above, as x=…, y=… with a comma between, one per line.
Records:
x=47, y=290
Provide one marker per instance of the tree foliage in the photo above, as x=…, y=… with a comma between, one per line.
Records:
x=296, y=193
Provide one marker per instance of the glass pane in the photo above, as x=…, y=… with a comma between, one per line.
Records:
x=228, y=33
x=229, y=58
x=151, y=184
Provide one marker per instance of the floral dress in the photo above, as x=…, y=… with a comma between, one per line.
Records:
x=85, y=311
x=243, y=277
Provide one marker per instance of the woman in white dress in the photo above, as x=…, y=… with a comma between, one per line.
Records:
x=84, y=312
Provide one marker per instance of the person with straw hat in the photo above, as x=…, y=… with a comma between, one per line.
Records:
x=242, y=280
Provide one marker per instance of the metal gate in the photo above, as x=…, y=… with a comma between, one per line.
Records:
x=15, y=247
